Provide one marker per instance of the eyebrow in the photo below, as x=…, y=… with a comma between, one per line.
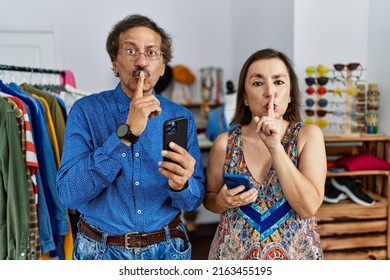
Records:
x=258, y=75
x=127, y=43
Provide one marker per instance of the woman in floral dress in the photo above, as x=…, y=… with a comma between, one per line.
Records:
x=285, y=161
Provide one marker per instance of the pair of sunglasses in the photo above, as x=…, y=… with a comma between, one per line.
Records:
x=320, y=90
x=322, y=123
x=323, y=113
x=321, y=70
x=350, y=91
x=319, y=113
x=321, y=102
x=350, y=66
x=320, y=80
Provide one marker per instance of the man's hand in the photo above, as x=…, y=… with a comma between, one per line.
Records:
x=142, y=107
x=180, y=170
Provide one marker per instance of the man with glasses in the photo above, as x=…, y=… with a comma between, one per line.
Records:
x=112, y=170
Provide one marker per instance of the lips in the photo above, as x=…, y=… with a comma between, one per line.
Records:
x=266, y=106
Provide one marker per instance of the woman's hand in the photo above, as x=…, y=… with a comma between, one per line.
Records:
x=269, y=128
x=231, y=198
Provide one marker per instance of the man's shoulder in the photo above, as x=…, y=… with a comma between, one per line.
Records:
x=96, y=97
x=94, y=102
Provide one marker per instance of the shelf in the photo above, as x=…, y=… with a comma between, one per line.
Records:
x=198, y=105
x=350, y=231
x=355, y=138
x=359, y=173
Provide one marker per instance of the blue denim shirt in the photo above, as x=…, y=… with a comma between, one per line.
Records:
x=119, y=188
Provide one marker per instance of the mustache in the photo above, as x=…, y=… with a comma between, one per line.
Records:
x=137, y=71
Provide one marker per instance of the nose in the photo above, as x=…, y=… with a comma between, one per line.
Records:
x=270, y=90
x=141, y=60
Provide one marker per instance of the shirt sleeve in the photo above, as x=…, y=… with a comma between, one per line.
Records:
x=85, y=170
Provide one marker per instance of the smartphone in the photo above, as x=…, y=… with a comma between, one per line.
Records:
x=175, y=130
x=235, y=180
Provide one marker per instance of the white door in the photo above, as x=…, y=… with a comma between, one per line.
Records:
x=27, y=47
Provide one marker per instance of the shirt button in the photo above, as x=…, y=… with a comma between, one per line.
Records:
x=137, y=183
x=136, y=154
x=123, y=154
x=139, y=211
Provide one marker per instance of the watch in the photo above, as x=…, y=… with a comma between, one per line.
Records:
x=123, y=131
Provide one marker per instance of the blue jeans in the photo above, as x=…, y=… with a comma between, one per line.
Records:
x=86, y=248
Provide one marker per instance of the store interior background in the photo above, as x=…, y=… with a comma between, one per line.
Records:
x=217, y=33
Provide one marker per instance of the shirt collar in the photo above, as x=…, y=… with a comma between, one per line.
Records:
x=122, y=99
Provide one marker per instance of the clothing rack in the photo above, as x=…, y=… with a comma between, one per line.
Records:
x=30, y=69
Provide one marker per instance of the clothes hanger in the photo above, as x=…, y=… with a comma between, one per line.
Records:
x=75, y=91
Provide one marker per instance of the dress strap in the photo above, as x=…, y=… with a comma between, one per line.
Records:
x=289, y=141
x=234, y=145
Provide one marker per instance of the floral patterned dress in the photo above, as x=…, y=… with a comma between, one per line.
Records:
x=268, y=228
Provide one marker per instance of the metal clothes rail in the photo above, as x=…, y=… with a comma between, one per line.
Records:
x=30, y=69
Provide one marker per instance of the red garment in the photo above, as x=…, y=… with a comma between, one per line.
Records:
x=362, y=161
x=31, y=156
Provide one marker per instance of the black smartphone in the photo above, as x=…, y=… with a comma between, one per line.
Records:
x=235, y=180
x=175, y=130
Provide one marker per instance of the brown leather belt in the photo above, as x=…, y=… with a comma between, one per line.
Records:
x=135, y=239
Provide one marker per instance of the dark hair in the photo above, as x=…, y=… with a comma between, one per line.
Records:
x=243, y=114
x=112, y=43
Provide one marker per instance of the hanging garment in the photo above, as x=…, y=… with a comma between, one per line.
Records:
x=44, y=217
x=46, y=159
x=14, y=196
x=31, y=161
x=55, y=112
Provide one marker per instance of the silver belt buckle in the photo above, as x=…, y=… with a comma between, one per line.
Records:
x=128, y=244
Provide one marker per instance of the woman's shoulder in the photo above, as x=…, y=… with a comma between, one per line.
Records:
x=309, y=129
x=310, y=132
x=221, y=138
x=220, y=142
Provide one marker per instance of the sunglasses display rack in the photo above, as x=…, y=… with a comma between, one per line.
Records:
x=336, y=99
x=372, y=108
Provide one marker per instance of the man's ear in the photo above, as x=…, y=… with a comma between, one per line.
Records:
x=162, y=71
x=115, y=68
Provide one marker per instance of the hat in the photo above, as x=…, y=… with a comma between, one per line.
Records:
x=164, y=81
x=182, y=74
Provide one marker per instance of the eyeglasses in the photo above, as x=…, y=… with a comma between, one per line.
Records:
x=321, y=102
x=132, y=55
x=320, y=80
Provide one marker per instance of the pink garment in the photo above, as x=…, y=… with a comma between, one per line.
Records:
x=68, y=78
